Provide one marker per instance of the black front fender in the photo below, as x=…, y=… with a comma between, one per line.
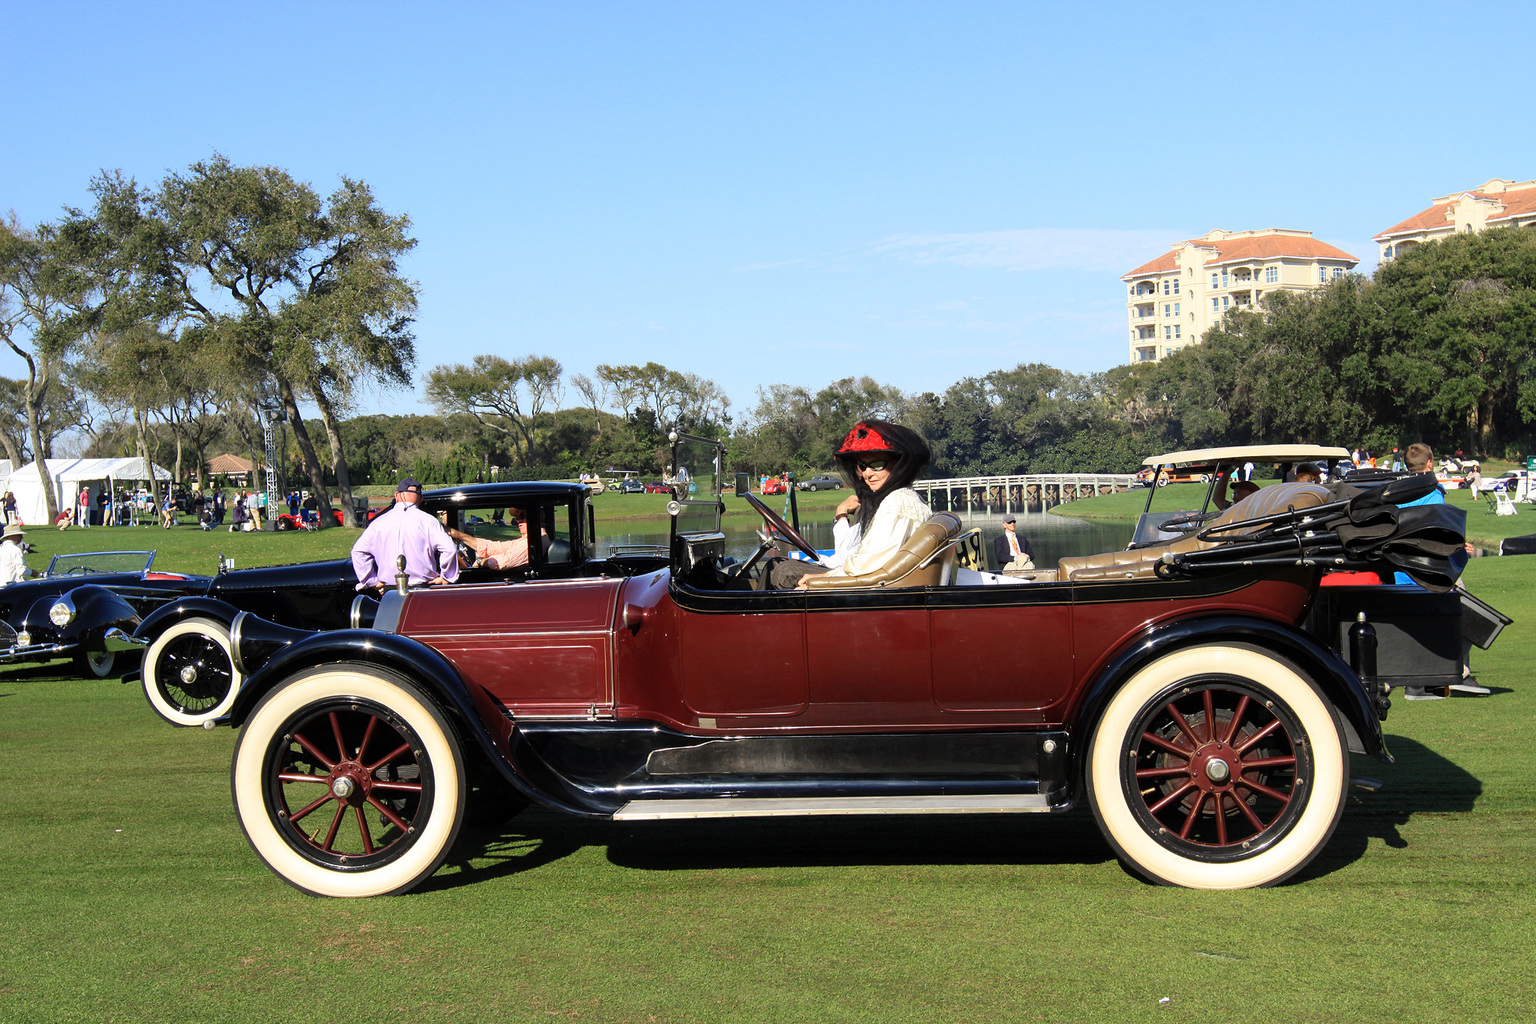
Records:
x=1339, y=684
x=166, y=616
x=96, y=610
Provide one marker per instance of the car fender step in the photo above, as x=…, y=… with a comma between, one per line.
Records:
x=761, y=807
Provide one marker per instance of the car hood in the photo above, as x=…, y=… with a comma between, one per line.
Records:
x=279, y=577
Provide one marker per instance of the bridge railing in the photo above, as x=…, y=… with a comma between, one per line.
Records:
x=1024, y=492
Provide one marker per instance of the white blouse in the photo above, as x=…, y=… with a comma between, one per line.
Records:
x=896, y=520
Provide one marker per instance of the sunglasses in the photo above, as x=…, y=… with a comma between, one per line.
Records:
x=874, y=465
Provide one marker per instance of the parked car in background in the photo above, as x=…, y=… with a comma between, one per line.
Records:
x=289, y=521
x=188, y=674
x=85, y=607
x=1179, y=693
x=1516, y=483
x=658, y=487
x=775, y=485
x=824, y=482
x=629, y=486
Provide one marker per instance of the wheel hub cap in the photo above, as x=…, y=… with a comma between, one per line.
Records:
x=1218, y=771
x=188, y=675
x=343, y=787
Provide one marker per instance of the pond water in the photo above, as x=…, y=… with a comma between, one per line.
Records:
x=1052, y=537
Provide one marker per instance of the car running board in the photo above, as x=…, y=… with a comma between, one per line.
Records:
x=758, y=807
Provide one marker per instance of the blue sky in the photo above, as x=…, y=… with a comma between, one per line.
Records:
x=785, y=192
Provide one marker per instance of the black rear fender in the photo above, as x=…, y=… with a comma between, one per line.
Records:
x=1337, y=682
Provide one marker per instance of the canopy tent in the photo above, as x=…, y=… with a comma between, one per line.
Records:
x=68, y=476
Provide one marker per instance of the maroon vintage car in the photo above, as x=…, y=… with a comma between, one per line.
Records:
x=1175, y=688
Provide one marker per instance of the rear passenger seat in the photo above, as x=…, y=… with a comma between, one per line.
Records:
x=1140, y=562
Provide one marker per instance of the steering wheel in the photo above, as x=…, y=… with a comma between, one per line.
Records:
x=1193, y=521
x=776, y=524
x=467, y=555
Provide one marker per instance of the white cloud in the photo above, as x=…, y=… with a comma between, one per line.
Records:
x=1090, y=249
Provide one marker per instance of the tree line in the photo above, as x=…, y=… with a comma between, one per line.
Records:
x=172, y=321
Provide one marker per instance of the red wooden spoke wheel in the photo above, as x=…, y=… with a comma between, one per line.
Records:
x=349, y=781
x=1218, y=766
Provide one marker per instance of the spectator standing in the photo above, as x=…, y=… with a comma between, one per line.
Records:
x=430, y=554
x=84, y=508
x=1420, y=459
x=13, y=566
x=9, y=507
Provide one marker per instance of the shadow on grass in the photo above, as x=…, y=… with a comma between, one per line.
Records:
x=538, y=837
x=1420, y=782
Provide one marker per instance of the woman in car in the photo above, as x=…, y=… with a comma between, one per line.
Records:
x=880, y=461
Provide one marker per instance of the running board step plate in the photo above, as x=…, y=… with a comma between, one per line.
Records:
x=761, y=807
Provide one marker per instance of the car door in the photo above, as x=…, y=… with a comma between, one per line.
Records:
x=742, y=654
x=867, y=655
x=1001, y=649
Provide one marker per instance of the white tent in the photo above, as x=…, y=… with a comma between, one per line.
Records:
x=68, y=476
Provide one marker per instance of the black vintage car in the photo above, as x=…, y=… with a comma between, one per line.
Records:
x=188, y=674
x=85, y=606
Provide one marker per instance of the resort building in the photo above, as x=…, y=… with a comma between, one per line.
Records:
x=1497, y=203
x=1176, y=298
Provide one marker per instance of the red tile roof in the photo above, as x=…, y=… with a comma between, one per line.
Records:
x=1161, y=265
x=1249, y=247
x=1520, y=202
x=228, y=464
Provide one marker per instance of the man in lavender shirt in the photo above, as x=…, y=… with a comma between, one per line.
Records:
x=430, y=554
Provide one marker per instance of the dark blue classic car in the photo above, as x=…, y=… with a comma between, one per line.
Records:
x=85, y=607
x=189, y=675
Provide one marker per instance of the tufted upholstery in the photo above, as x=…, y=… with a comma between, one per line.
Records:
x=1139, y=563
x=923, y=561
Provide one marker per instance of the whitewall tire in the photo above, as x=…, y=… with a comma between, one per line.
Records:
x=349, y=781
x=1245, y=803
x=189, y=672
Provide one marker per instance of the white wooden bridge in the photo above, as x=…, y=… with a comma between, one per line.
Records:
x=1023, y=492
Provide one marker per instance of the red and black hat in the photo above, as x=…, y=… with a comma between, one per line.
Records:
x=865, y=438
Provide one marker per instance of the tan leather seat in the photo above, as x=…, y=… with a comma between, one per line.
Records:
x=925, y=560
x=1139, y=563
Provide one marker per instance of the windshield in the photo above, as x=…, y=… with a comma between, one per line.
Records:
x=696, y=469
x=101, y=561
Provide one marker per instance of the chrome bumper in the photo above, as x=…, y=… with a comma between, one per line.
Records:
x=31, y=652
x=115, y=640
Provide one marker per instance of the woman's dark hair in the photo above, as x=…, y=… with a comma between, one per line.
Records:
x=908, y=452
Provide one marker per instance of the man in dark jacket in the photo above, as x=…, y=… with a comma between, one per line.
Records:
x=1012, y=550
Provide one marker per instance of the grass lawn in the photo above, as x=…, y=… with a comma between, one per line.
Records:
x=131, y=895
